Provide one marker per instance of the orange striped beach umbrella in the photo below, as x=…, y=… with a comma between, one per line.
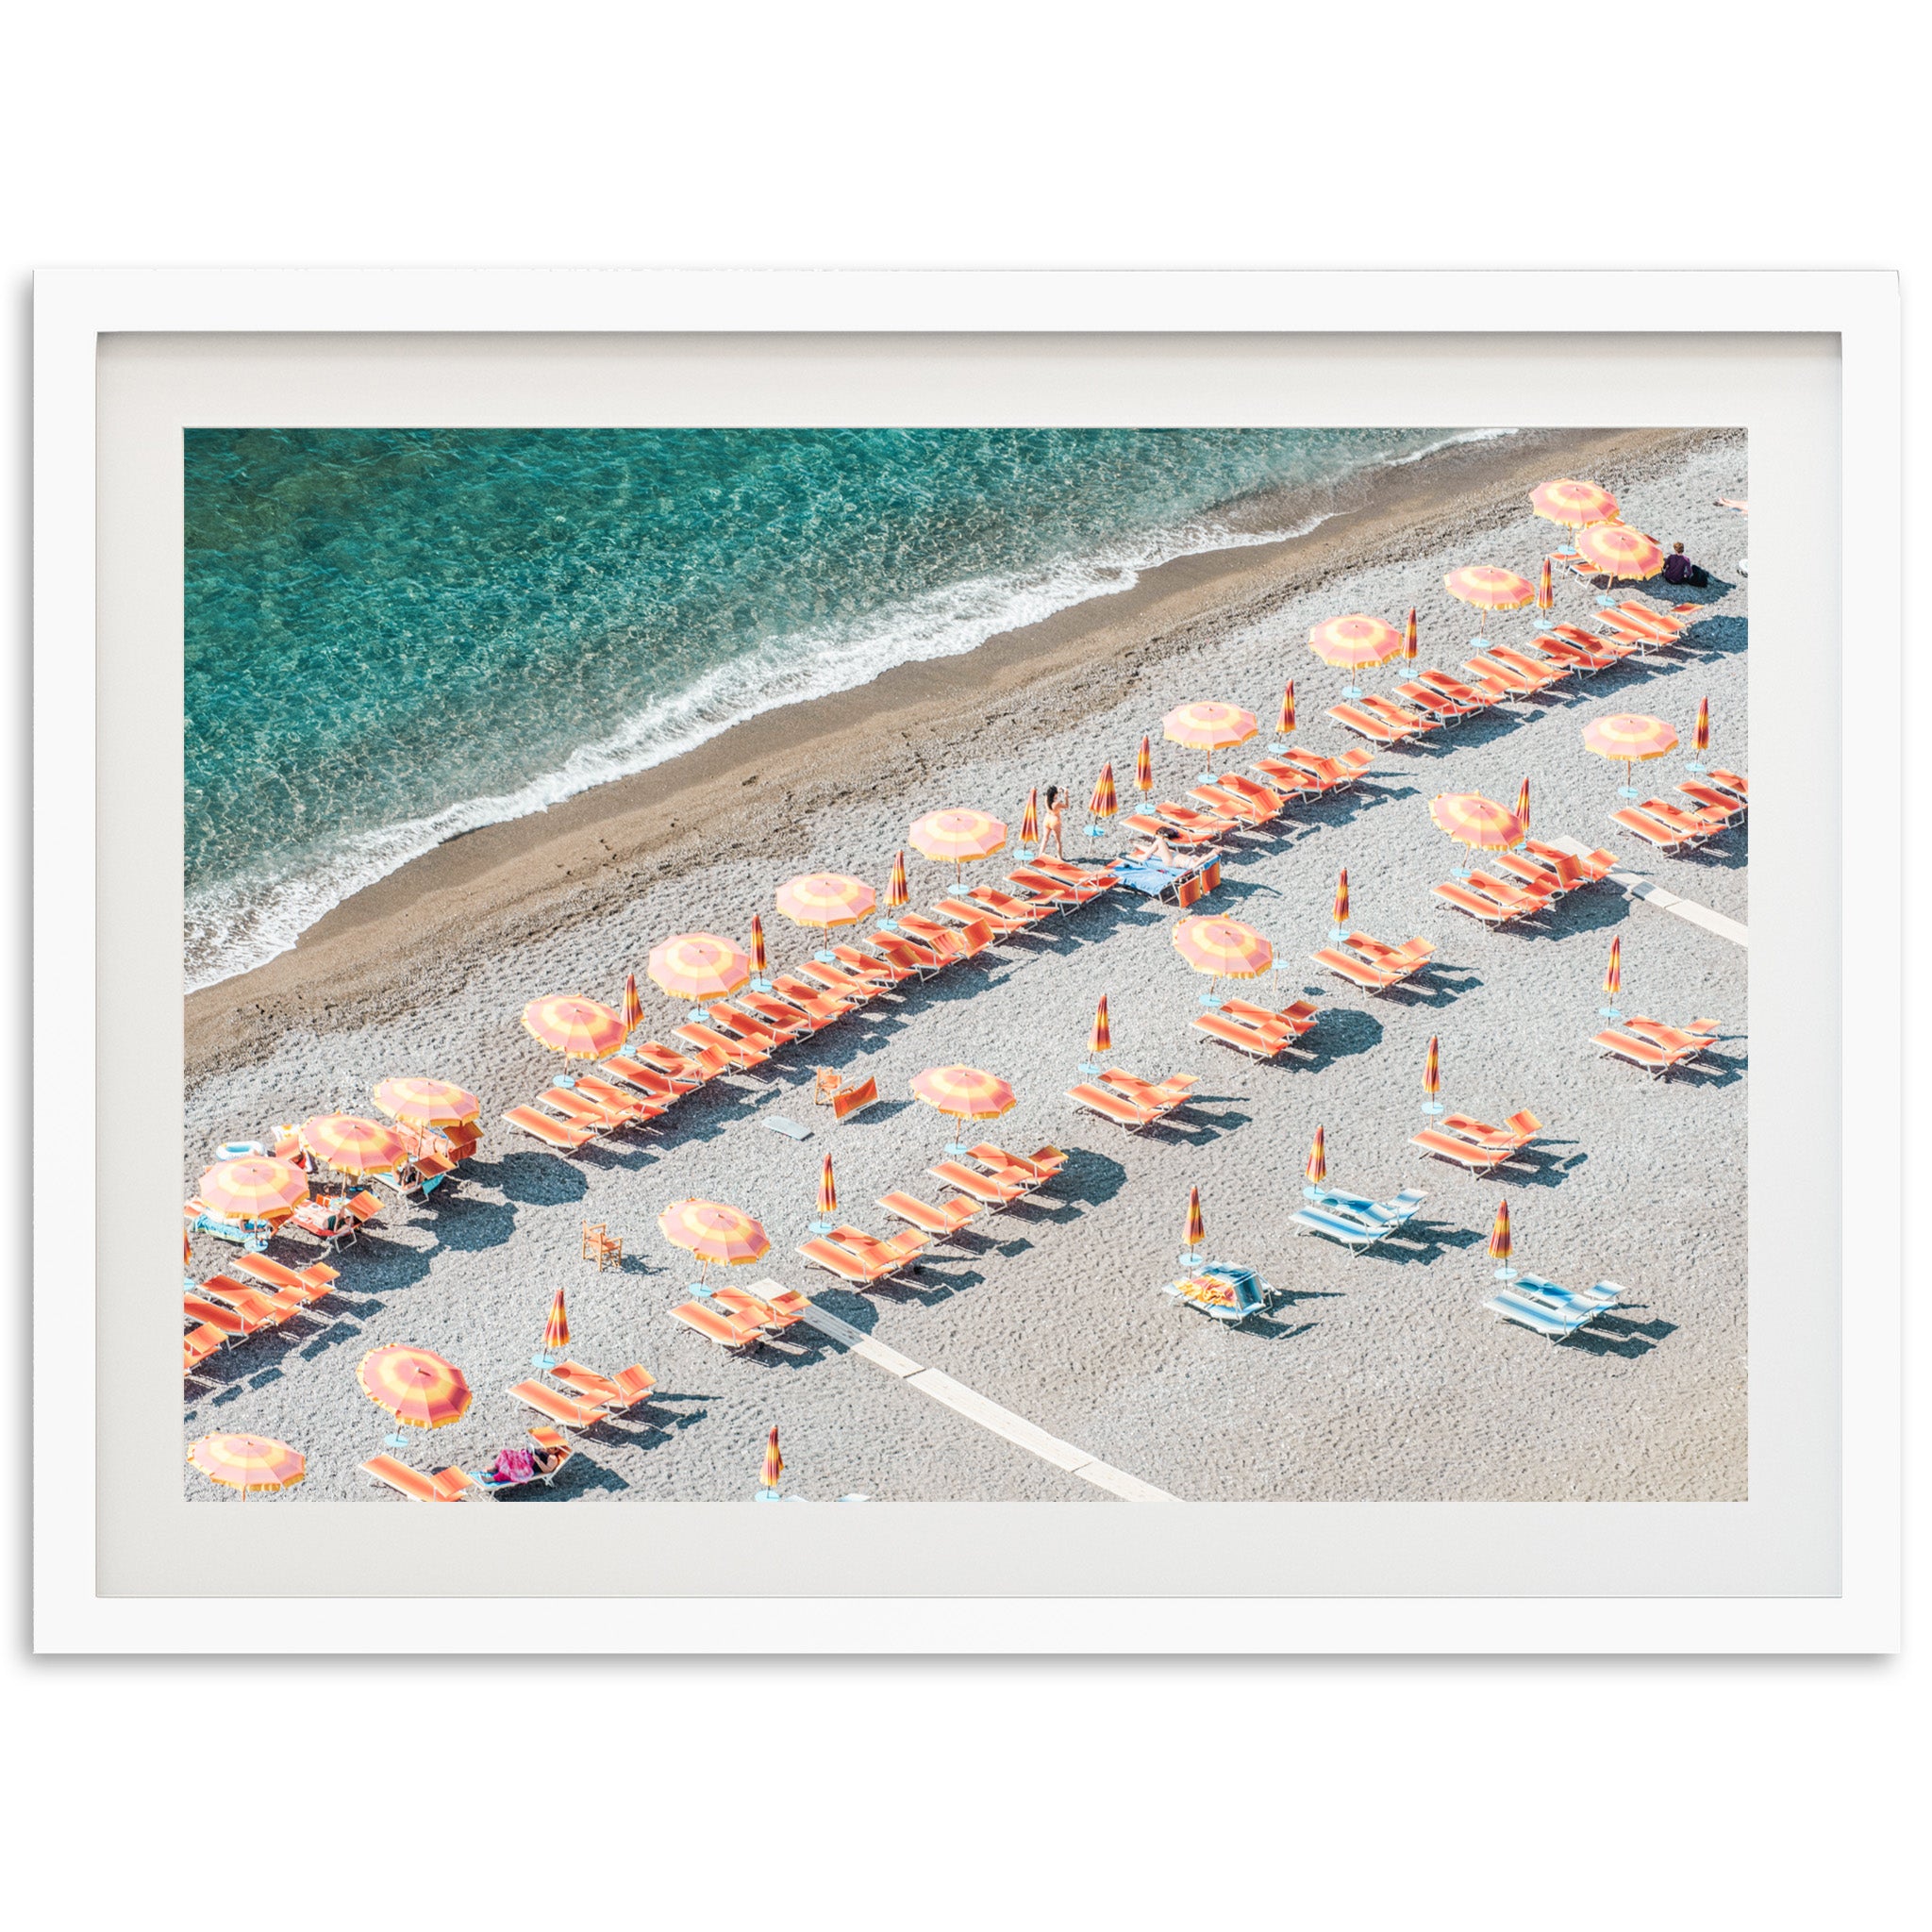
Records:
x=415, y=1385
x=256, y=1188
x=1339, y=916
x=775, y=1463
x=1223, y=947
x=826, y=899
x=1284, y=722
x=1620, y=550
x=829, y=1191
x=1144, y=767
x=897, y=895
x=1317, y=1169
x=556, y=1325
x=1479, y=822
x=1101, y=1039
x=1408, y=637
x=1545, y=592
x=1573, y=504
x=1355, y=641
x=633, y=1005
x=1029, y=819
x=1196, y=1232
x=350, y=1144
x=248, y=1462
x=580, y=1029
x=1499, y=1241
x=1208, y=726
x=426, y=1102
x=698, y=966
x=1631, y=738
x=714, y=1232
x=956, y=837
x=965, y=1092
x=1105, y=803
x=1489, y=586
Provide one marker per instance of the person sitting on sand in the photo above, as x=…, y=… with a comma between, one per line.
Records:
x=1678, y=569
x=1055, y=815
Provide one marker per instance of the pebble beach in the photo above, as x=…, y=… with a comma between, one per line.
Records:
x=1373, y=1377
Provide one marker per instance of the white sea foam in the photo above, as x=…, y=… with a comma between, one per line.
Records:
x=1415, y=456
x=235, y=926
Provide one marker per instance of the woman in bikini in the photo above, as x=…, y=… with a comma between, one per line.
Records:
x=1055, y=814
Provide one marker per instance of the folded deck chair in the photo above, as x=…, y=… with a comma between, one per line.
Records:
x=1537, y=1315
x=1655, y=1060
x=552, y=1133
x=940, y=1223
x=1376, y=730
x=1653, y=831
x=198, y=1345
x=1478, y=1157
x=988, y=1190
x=728, y=1331
x=1337, y=1225
x=1110, y=1107
x=1477, y=905
x=565, y=1410
x=1357, y=972
x=446, y=1486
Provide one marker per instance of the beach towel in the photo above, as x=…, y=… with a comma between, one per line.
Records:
x=513, y=1466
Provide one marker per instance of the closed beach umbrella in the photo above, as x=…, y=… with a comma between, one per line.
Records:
x=698, y=966
x=1489, y=586
x=1620, y=550
x=187, y=1250
x=1029, y=819
x=1144, y=767
x=1545, y=591
x=1339, y=916
x=956, y=837
x=1522, y=806
x=1572, y=503
x=1104, y=804
x=1700, y=739
x=897, y=896
x=556, y=1325
x=1499, y=1241
x=1101, y=1040
x=248, y=1462
x=1317, y=1169
x=1432, y=1076
x=775, y=1463
x=580, y=1029
x=350, y=1144
x=757, y=945
x=1196, y=1232
x=633, y=1005
x=256, y=1188
x=426, y=1102
x=714, y=1232
x=415, y=1385
x=1479, y=822
x=1408, y=637
x=1222, y=947
x=1284, y=722
x=1613, y=979
x=829, y=1191
x=1208, y=726
x=1631, y=738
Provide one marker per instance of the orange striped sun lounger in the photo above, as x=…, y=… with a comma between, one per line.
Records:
x=1588, y=642
x=1230, y=805
x=446, y=1486
x=914, y=955
x=311, y=1283
x=1263, y=1042
x=940, y=1223
x=728, y=1331
x=1588, y=658
x=1489, y=684
x=1022, y=912
x=632, y=1106
x=1293, y=777
x=1468, y=696
x=1689, y=1040
x=1525, y=684
x=818, y=1003
x=1648, y=637
x=737, y=1025
x=198, y=1345
x=1070, y=885
x=1298, y=1018
x=1212, y=825
x=996, y=925
x=230, y=1322
x=897, y=1251
x=581, y=1110
x=879, y=972
x=565, y=1410
x=617, y=1392
x=1713, y=800
x=1518, y=1130
x=970, y=938
x=1266, y=799
x=685, y=1069
x=1655, y=1060
x=1164, y=1096
x=1478, y=905
x=842, y=984
x=264, y=1306
x=744, y=1305
x=1653, y=831
x=1395, y=715
x=1531, y=898
x=986, y=1190
x=1439, y=704
x=552, y=1133
x=1090, y=881
x=1357, y=972
x=779, y=1016
x=1675, y=621
x=1539, y=874
x=1730, y=781
x=1526, y=666
x=659, y=1089
x=740, y=1054
x=1110, y=1107
x=1477, y=1156
x=1034, y=1170
x=1595, y=866
x=1377, y=730
x=1409, y=957
x=862, y=1271
x=1704, y=822
x=1148, y=826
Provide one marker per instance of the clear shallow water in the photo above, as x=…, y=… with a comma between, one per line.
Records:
x=394, y=636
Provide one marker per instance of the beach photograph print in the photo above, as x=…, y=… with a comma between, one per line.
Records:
x=962, y=965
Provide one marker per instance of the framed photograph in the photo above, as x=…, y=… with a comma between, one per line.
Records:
x=987, y=896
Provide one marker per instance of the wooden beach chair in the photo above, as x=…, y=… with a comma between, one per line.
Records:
x=1111, y=1106
x=446, y=1486
x=940, y=1223
x=728, y=1331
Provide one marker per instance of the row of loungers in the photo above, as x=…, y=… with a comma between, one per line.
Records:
x=1652, y=1045
x=1718, y=801
x=1355, y=1219
x=1369, y=964
x=1538, y=877
x=741, y=1318
x=549, y=1454
x=1131, y=1102
x=1550, y=1311
x=1260, y=1032
x=1237, y=801
x=222, y=1310
x=1475, y=1144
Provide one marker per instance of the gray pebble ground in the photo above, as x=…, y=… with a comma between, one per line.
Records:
x=1377, y=1377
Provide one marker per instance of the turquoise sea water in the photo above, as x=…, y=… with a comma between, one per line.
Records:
x=393, y=635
